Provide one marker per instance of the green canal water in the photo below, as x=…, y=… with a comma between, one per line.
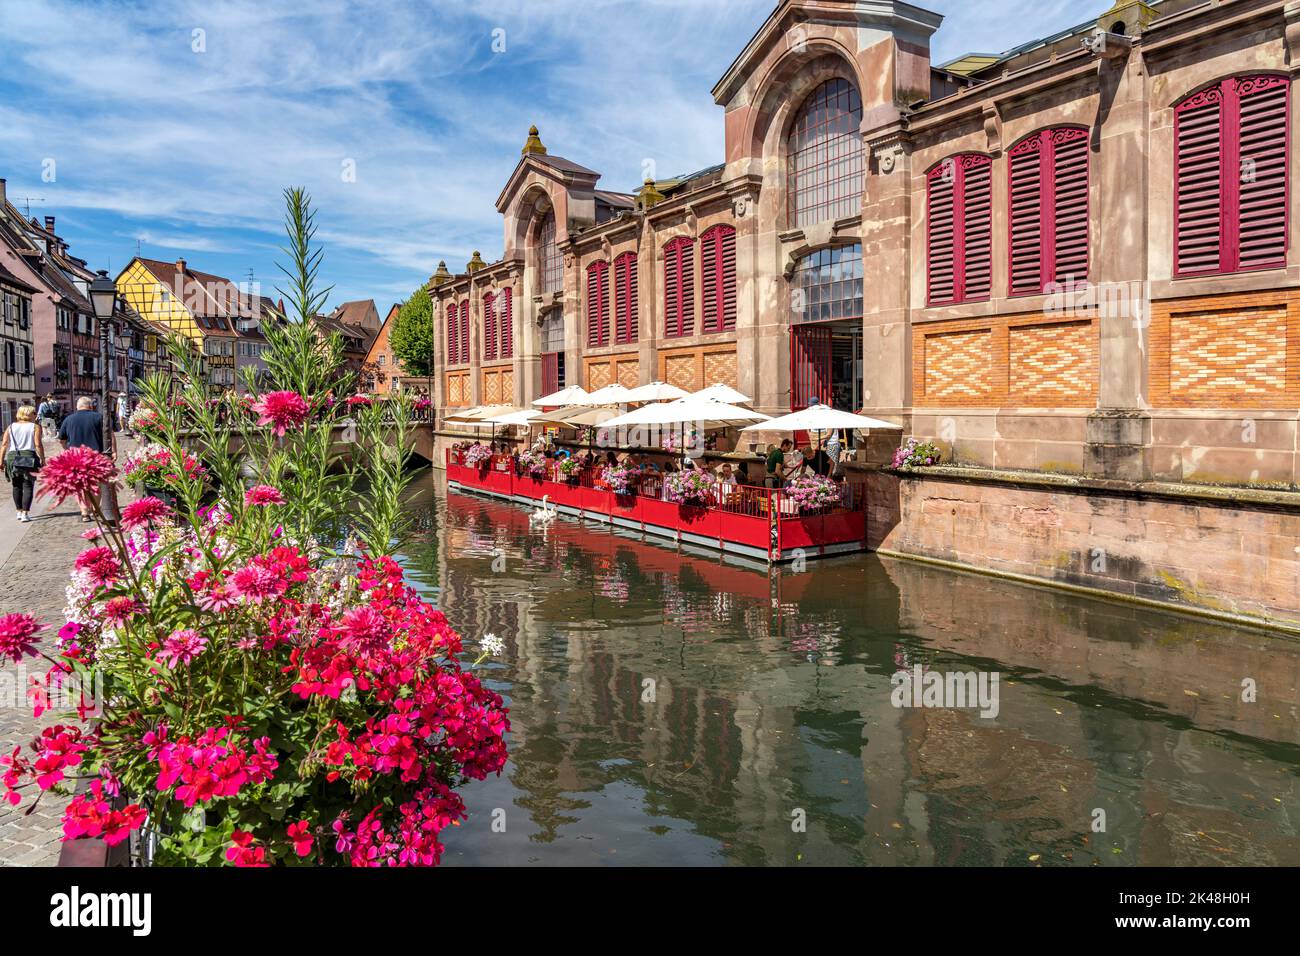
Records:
x=671, y=708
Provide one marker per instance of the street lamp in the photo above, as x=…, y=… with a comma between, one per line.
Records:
x=103, y=299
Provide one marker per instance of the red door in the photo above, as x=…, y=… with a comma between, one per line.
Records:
x=810, y=365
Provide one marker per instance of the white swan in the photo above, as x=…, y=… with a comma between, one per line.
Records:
x=545, y=514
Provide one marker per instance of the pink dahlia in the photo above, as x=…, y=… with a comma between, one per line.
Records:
x=256, y=582
x=76, y=473
x=100, y=564
x=16, y=633
x=263, y=495
x=363, y=630
x=143, y=512
x=117, y=610
x=281, y=410
x=181, y=647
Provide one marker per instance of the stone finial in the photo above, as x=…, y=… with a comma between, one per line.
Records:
x=442, y=275
x=475, y=263
x=648, y=195
x=1127, y=18
x=533, y=144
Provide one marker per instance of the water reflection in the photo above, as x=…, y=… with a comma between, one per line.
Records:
x=671, y=708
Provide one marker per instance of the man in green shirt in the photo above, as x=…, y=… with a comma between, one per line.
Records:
x=776, y=464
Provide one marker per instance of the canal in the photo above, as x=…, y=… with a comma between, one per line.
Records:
x=671, y=708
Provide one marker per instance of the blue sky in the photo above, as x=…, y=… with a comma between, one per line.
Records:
x=180, y=142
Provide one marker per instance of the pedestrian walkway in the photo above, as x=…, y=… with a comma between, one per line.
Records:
x=35, y=559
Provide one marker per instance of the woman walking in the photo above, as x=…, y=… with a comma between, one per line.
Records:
x=23, y=452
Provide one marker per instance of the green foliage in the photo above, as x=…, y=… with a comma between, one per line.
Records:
x=411, y=337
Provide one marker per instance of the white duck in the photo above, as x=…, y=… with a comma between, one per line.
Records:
x=545, y=514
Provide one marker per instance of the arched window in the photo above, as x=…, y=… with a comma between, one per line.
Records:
x=824, y=156
x=679, y=287
x=1048, y=185
x=625, y=290
x=1230, y=158
x=598, y=304
x=828, y=285
x=959, y=230
x=718, y=278
x=549, y=260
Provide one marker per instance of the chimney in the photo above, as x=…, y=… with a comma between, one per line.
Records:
x=2, y=194
x=180, y=265
x=49, y=225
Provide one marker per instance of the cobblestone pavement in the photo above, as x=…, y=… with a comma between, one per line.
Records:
x=36, y=559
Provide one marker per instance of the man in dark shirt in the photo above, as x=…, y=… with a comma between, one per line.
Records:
x=84, y=428
x=820, y=462
x=776, y=464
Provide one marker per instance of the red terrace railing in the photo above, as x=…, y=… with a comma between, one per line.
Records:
x=762, y=519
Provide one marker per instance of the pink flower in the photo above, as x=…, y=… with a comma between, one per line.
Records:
x=181, y=647
x=281, y=410
x=76, y=473
x=16, y=633
x=100, y=564
x=145, y=511
x=256, y=582
x=357, y=400
x=300, y=834
x=263, y=495
x=363, y=630
x=117, y=610
x=91, y=534
x=244, y=853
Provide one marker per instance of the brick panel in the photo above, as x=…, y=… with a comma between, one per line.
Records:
x=1235, y=351
x=959, y=365
x=1052, y=364
x=694, y=368
x=679, y=370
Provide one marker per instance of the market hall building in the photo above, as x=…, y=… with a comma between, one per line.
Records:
x=1070, y=264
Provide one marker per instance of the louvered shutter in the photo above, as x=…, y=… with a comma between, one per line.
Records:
x=1026, y=197
x=625, y=279
x=1070, y=205
x=1199, y=143
x=464, y=331
x=506, y=316
x=718, y=269
x=679, y=287
x=489, y=328
x=598, y=304
x=453, y=337
x=1261, y=233
x=941, y=235
x=977, y=227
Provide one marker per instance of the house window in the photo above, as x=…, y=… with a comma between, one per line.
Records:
x=453, y=336
x=598, y=304
x=498, y=326
x=828, y=285
x=1230, y=159
x=11, y=362
x=464, y=331
x=549, y=258
x=718, y=278
x=959, y=230
x=489, y=328
x=1048, y=189
x=553, y=377
x=824, y=156
x=679, y=287
x=626, y=297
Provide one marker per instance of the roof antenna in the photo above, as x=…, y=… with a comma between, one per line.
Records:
x=27, y=203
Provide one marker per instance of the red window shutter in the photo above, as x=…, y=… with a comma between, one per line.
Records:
x=679, y=287
x=625, y=280
x=1198, y=143
x=940, y=236
x=453, y=338
x=489, y=328
x=550, y=372
x=1262, y=200
x=598, y=304
x=464, y=331
x=1026, y=198
x=718, y=269
x=506, y=317
x=977, y=227
x=1049, y=210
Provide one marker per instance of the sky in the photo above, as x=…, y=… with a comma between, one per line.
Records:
x=172, y=128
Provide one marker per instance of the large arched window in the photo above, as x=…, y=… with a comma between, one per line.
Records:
x=549, y=260
x=828, y=285
x=1230, y=159
x=824, y=156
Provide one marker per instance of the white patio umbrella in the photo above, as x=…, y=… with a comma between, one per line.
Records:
x=820, y=418
x=519, y=417
x=575, y=415
x=612, y=394
x=655, y=392
x=572, y=395
x=687, y=410
x=722, y=393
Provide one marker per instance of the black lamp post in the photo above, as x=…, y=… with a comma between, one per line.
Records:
x=103, y=299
